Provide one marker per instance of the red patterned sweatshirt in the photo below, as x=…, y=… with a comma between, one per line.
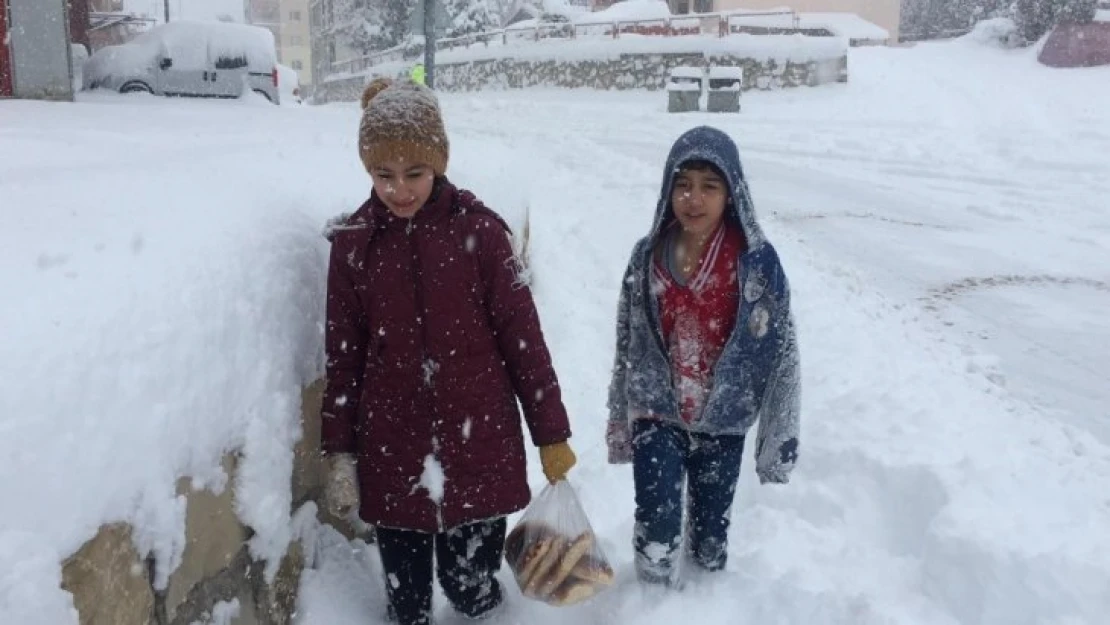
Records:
x=698, y=317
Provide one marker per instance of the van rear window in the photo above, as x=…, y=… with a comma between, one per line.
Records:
x=231, y=62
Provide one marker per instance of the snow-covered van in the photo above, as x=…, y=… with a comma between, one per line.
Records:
x=201, y=59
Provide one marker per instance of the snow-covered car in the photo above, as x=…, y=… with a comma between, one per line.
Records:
x=290, y=84
x=200, y=59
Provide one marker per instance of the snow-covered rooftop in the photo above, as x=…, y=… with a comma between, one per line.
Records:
x=842, y=24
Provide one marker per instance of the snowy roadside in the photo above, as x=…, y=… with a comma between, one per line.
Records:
x=931, y=491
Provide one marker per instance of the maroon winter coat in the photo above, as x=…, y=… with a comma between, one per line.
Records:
x=430, y=340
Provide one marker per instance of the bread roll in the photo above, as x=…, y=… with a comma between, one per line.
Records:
x=590, y=569
x=573, y=591
x=556, y=546
x=567, y=561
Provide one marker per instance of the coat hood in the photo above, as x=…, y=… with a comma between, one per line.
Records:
x=705, y=143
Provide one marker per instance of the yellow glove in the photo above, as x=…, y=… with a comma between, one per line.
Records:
x=557, y=459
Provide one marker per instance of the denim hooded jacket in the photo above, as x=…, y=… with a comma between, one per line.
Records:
x=757, y=376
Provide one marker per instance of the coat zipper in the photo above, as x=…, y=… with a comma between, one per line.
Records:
x=428, y=367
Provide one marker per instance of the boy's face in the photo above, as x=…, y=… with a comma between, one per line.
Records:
x=699, y=197
x=404, y=187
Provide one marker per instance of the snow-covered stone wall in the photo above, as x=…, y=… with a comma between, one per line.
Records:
x=217, y=579
x=768, y=62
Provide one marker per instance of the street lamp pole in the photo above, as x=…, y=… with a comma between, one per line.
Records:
x=430, y=43
x=166, y=8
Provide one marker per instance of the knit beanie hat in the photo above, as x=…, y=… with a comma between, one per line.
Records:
x=401, y=121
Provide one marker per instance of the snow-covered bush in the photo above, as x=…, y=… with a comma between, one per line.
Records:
x=472, y=16
x=1001, y=32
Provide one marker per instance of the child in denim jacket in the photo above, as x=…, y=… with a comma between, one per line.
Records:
x=705, y=348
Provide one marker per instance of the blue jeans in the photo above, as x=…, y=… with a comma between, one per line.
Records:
x=666, y=458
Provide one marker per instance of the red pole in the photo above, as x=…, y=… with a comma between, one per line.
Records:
x=79, y=22
x=6, y=89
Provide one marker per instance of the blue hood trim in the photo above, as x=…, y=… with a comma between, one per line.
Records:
x=709, y=144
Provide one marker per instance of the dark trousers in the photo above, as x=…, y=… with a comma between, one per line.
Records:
x=666, y=459
x=466, y=558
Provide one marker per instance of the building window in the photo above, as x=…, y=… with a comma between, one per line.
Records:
x=295, y=40
x=681, y=7
x=294, y=16
x=297, y=65
x=703, y=6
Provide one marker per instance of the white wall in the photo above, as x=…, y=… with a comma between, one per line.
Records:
x=40, y=49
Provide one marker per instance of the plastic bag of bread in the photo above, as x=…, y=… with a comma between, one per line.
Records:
x=553, y=551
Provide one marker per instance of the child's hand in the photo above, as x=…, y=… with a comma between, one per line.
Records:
x=773, y=465
x=557, y=460
x=773, y=477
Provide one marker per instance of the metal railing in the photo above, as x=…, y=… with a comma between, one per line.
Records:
x=696, y=24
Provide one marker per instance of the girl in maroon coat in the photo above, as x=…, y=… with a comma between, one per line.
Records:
x=431, y=340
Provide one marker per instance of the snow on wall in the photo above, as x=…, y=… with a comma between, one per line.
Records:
x=782, y=48
x=847, y=25
x=630, y=62
x=766, y=62
x=629, y=10
x=726, y=72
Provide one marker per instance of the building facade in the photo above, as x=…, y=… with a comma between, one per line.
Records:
x=267, y=14
x=295, y=42
x=107, y=23
x=884, y=13
x=324, y=47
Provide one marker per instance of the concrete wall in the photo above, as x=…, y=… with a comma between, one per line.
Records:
x=40, y=49
x=885, y=13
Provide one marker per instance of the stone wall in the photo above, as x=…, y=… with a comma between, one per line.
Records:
x=626, y=71
x=112, y=585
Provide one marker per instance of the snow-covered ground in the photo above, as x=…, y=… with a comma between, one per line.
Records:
x=943, y=219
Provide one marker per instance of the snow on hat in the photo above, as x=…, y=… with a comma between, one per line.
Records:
x=401, y=121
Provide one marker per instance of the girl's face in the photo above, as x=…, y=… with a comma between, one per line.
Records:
x=699, y=197
x=404, y=187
